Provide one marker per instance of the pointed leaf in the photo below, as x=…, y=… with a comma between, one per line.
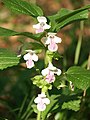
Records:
x=8, y=32
x=7, y=59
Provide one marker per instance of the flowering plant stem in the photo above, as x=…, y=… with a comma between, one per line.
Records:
x=78, y=48
x=39, y=115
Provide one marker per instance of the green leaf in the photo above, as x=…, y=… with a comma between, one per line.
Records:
x=72, y=105
x=65, y=17
x=7, y=59
x=80, y=77
x=8, y=32
x=23, y=7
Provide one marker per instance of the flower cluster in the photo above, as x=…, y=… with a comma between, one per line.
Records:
x=48, y=73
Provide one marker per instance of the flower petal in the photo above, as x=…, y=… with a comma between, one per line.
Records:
x=27, y=56
x=41, y=19
x=51, y=34
x=53, y=47
x=39, y=30
x=41, y=107
x=50, y=77
x=37, y=26
x=30, y=63
x=42, y=95
x=45, y=72
x=37, y=99
x=46, y=101
x=48, y=41
x=57, y=39
x=34, y=57
x=46, y=26
x=51, y=67
x=58, y=72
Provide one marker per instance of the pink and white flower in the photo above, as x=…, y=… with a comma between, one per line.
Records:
x=30, y=57
x=42, y=25
x=50, y=72
x=51, y=41
x=41, y=101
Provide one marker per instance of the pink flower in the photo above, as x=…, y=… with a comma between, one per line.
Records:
x=49, y=73
x=41, y=101
x=30, y=57
x=51, y=42
x=42, y=25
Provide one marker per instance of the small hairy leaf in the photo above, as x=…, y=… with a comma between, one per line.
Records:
x=23, y=7
x=7, y=59
x=80, y=77
x=72, y=105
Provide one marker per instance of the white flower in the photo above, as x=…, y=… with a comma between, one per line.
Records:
x=41, y=101
x=51, y=41
x=49, y=72
x=42, y=25
x=30, y=57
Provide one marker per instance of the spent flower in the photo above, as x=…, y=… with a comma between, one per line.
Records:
x=51, y=41
x=42, y=25
x=41, y=101
x=30, y=57
x=50, y=72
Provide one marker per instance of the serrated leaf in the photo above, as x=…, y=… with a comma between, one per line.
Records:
x=8, y=32
x=80, y=77
x=72, y=105
x=23, y=7
x=7, y=59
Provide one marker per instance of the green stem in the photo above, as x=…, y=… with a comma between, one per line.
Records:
x=78, y=48
x=39, y=115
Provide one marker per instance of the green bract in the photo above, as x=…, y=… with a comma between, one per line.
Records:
x=39, y=81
